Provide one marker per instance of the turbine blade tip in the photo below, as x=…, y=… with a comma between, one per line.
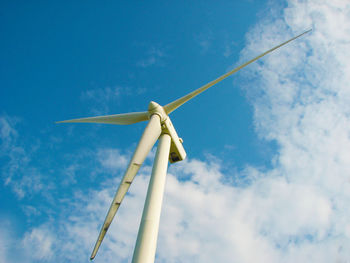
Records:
x=66, y=121
x=93, y=255
x=307, y=31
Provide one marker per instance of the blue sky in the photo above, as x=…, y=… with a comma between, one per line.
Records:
x=268, y=149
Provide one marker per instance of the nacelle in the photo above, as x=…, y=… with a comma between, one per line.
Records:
x=177, y=151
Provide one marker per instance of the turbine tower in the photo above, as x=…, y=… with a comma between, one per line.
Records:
x=169, y=148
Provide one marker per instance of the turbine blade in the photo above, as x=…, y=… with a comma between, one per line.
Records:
x=177, y=103
x=125, y=118
x=148, y=139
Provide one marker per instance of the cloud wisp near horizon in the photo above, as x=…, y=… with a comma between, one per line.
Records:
x=295, y=211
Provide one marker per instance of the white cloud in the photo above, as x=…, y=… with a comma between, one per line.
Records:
x=201, y=216
x=39, y=243
x=112, y=159
x=300, y=98
x=10, y=247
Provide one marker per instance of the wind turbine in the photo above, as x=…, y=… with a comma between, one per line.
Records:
x=169, y=148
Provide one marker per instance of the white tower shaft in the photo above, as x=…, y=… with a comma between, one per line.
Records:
x=145, y=248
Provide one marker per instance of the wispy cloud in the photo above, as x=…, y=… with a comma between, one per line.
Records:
x=228, y=48
x=204, y=40
x=7, y=132
x=17, y=172
x=100, y=98
x=154, y=56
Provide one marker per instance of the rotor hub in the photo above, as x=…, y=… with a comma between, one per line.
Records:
x=155, y=108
